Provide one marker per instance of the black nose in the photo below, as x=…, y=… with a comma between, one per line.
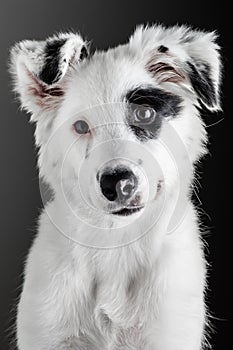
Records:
x=118, y=184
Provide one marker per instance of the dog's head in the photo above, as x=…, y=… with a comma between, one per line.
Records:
x=117, y=130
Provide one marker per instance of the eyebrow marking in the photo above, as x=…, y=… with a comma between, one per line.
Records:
x=163, y=102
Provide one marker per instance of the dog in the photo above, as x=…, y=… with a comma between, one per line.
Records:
x=118, y=261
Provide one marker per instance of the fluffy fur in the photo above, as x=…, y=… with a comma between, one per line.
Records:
x=95, y=280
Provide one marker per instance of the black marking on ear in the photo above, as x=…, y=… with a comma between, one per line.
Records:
x=164, y=103
x=162, y=49
x=83, y=53
x=50, y=73
x=202, y=83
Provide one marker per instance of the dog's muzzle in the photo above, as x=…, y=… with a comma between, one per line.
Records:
x=119, y=185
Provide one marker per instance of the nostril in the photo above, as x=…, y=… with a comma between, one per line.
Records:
x=118, y=184
x=108, y=187
x=110, y=193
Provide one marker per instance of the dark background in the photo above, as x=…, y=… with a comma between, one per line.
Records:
x=108, y=23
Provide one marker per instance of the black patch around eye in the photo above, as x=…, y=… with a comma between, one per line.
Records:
x=202, y=83
x=50, y=72
x=162, y=49
x=166, y=105
x=147, y=133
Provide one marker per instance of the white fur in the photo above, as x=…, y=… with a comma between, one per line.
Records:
x=146, y=293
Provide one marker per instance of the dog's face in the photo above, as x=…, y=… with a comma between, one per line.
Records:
x=119, y=131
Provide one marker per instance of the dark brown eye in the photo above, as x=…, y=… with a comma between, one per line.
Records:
x=81, y=127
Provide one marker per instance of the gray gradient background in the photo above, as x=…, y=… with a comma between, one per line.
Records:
x=106, y=23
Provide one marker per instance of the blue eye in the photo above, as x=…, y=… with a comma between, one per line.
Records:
x=144, y=114
x=81, y=127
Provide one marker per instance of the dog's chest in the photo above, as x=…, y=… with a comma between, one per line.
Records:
x=124, y=293
x=115, y=295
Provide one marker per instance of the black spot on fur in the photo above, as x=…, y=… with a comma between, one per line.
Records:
x=94, y=289
x=202, y=84
x=87, y=151
x=162, y=49
x=83, y=53
x=50, y=72
x=165, y=105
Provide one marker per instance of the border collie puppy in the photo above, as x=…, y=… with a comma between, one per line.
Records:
x=118, y=259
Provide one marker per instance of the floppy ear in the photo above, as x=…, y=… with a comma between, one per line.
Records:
x=40, y=68
x=182, y=56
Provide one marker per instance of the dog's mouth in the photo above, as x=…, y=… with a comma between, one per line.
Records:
x=127, y=211
x=134, y=206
